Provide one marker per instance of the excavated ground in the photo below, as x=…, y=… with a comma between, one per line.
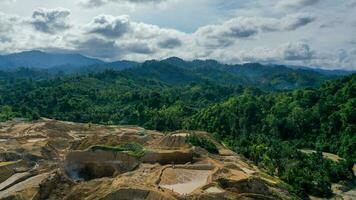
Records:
x=54, y=160
x=183, y=181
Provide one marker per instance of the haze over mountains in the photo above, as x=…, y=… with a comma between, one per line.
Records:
x=42, y=60
x=172, y=71
x=69, y=63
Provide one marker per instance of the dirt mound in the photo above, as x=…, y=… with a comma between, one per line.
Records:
x=168, y=157
x=137, y=194
x=28, y=189
x=16, y=178
x=7, y=169
x=183, y=181
x=173, y=141
x=214, y=190
x=251, y=185
x=88, y=165
x=109, y=140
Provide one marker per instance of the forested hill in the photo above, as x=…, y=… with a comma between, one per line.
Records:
x=175, y=71
x=250, y=114
x=267, y=77
x=171, y=70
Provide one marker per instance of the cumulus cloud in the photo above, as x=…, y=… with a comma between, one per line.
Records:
x=109, y=26
x=240, y=27
x=50, y=20
x=295, y=4
x=225, y=34
x=96, y=47
x=272, y=39
x=137, y=47
x=18, y=34
x=7, y=22
x=98, y=3
x=297, y=51
x=292, y=22
x=288, y=53
x=170, y=43
x=10, y=27
x=112, y=37
x=257, y=55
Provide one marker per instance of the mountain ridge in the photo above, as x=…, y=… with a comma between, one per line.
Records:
x=44, y=60
x=78, y=63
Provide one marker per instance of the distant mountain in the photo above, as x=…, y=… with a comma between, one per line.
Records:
x=94, y=68
x=164, y=72
x=5, y=64
x=324, y=71
x=42, y=60
x=175, y=70
x=246, y=68
x=271, y=77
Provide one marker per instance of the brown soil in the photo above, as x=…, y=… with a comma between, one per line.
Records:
x=27, y=189
x=168, y=156
x=97, y=164
x=52, y=160
x=173, y=141
x=183, y=181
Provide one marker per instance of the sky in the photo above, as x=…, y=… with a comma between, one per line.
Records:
x=314, y=33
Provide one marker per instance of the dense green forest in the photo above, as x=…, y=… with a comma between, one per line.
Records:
x=266, y=117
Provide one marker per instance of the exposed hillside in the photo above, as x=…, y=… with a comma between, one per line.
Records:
x=55, y=160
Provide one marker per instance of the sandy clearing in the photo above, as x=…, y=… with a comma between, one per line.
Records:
x=34, y=140
x=214, y=190
x=27, y=184
x=13, y=179
x=247, y=171
x=180, y=134
x=183, y=181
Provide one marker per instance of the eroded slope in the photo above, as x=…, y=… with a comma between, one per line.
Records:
x=51, y=159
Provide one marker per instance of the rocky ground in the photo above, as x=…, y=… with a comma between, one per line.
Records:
x=51, y=159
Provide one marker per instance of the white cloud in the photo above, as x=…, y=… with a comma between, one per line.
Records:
x=109, y=26
x=297, y=51
x=124, y=38
x=292, y=22
x=225, y=34
x=239, y=31
x=50, y=20
x=170, y=43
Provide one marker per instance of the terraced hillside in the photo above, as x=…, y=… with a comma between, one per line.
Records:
x=50, y=159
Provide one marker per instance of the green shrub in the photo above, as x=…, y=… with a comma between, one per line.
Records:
x=207, y=144
x=132, y=148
